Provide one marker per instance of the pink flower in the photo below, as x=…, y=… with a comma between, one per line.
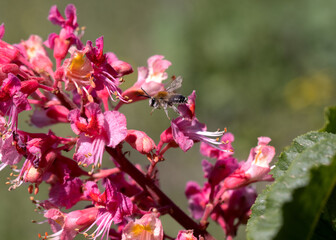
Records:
x=198, y=198
x=122, y=68
x=50, y=113
x=96, y=131
x=131, y=188
x=66, y=194
x=220, y=170
x=186, y=130
x=63, y=170
x=104, y=74
x=8, y=151
x=40, y=151
x=67, y=225
x=113, y=207
x=68, y=35
x=186, y=235
x=12, y=100
x=8, y=53
x=234, y=210
x=148, y=227
x=34, y=51
x=77, y=71
x=149, y=79
x=256, y=168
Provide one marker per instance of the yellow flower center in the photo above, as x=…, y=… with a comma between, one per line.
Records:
x=77, y=61
x=138, y=229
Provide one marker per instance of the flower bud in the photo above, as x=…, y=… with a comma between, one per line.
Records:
x=140, y=141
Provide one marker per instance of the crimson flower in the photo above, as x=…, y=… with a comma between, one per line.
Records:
x=67, y=36
x=113, y=207
x=256, y=168
x=67, y=225
x=186, y=130
x=107, y=69
x=95, y=132
x=149, y=79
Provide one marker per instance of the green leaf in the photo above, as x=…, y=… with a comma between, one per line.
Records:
x=330, y=210
x=330, y=120
x=305, y=176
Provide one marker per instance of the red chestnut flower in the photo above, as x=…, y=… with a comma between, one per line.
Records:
x=148, y=227
x=77, y=71
x=12, y=100
x=40, y=151
x=8, y=152
x=112, y=205
x=234, y=210
x=68, y=34
x=78, y=92
x=34, y=51
x=107, y=70
x=96, y=131
x=256, y=168
x=186, y=130
x=67, y=225
x=149, y=79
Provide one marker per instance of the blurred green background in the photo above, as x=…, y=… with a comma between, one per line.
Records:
x=259, y=68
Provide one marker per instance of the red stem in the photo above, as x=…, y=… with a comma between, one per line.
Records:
x=163, y=200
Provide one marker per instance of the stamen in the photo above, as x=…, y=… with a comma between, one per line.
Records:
x=92, y=83
x=90, y=98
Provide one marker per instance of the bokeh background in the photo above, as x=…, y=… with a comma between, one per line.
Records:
x=259, y=68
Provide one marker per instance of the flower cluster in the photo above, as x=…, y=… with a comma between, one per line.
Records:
x=123, y=202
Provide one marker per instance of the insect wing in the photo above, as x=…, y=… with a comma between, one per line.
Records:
x=175, y=84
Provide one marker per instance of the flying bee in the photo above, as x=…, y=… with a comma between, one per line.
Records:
x=167, y=98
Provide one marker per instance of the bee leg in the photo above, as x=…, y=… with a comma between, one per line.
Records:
x=166, y=111
x=175, y=109
x=152, y=111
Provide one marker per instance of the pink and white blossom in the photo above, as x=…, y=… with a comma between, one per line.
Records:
x=148, y=227
x=186, y=130
x=256, y=168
